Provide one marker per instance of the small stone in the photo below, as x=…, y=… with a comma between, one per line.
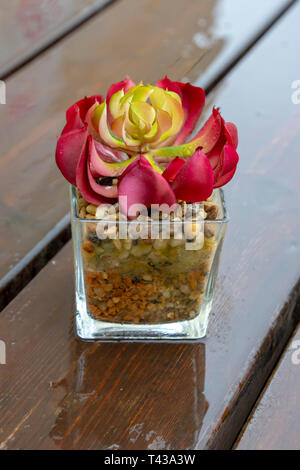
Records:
x=170, y=304
x=174, y=243
x=108, y=287
x=117, y=244
x=166, y=294
x=99, y=292
x=91, y=209
x=112, y=216
x=116, y=300
x=127, y=243
x=178, y=212
x=158, y=258
x=184, y=289
x=123, y=255
x=102, y=211
x=209, y=230
x=151, y=307
x=147, y=277
x=99, y=250
x=212, y=211
x=140, y=250
x=82, y=203
x=113, y=209
x=88, y=248
x=82, y=213
x=194, y=295
x=192, y=230
x=160, y=244
x=111, y=232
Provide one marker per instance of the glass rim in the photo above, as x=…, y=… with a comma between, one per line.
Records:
x=75, y=216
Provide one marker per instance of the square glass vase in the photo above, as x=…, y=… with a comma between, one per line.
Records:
x=146, y=280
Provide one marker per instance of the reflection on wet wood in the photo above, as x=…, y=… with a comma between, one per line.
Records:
x=58, y=393
x=275, y=421
x=99, y=53
x=29, y=26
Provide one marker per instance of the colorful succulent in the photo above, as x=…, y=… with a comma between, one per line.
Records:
x=139, y=134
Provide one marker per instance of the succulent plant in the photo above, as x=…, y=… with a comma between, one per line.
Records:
x=139, y=134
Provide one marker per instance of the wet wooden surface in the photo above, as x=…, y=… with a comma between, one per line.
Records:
x=57, y=392
x=146, y=38
x=275, y=421
x=28, y=26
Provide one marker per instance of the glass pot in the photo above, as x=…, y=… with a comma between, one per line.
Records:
x=146, y=279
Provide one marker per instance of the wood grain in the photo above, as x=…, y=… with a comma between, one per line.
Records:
x=57, y=392
x=142, y=37
x=29, y=26
x=275, y=421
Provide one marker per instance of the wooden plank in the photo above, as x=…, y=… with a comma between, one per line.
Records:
x=275, y=421
x=27, y=27
x=57, y=392
x=86, y=62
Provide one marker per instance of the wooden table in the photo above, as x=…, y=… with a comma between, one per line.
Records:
x=274, y=422
x=59, y=393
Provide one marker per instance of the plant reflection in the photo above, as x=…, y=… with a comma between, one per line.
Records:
x=132, y=396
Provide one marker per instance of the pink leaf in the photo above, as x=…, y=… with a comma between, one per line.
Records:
x=141, y=184
x=231, y=134
x=74, y=121
x=106, y=191
x=99, y=167
x=115, y=87
x=109, y=154
x=226, y=166
x=194, y=181
x=223, y=157
x=172, y=169
x=225, y=179
x=68, y=151
x=83, y=184
x=168, y=84
x=193, y=100
x=83, y=106
x=209, y=135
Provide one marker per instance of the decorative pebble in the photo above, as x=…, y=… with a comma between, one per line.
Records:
x=117, y=244
x=184, y=289
x=102, y=211
x=147, y=277
x=91, y=209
